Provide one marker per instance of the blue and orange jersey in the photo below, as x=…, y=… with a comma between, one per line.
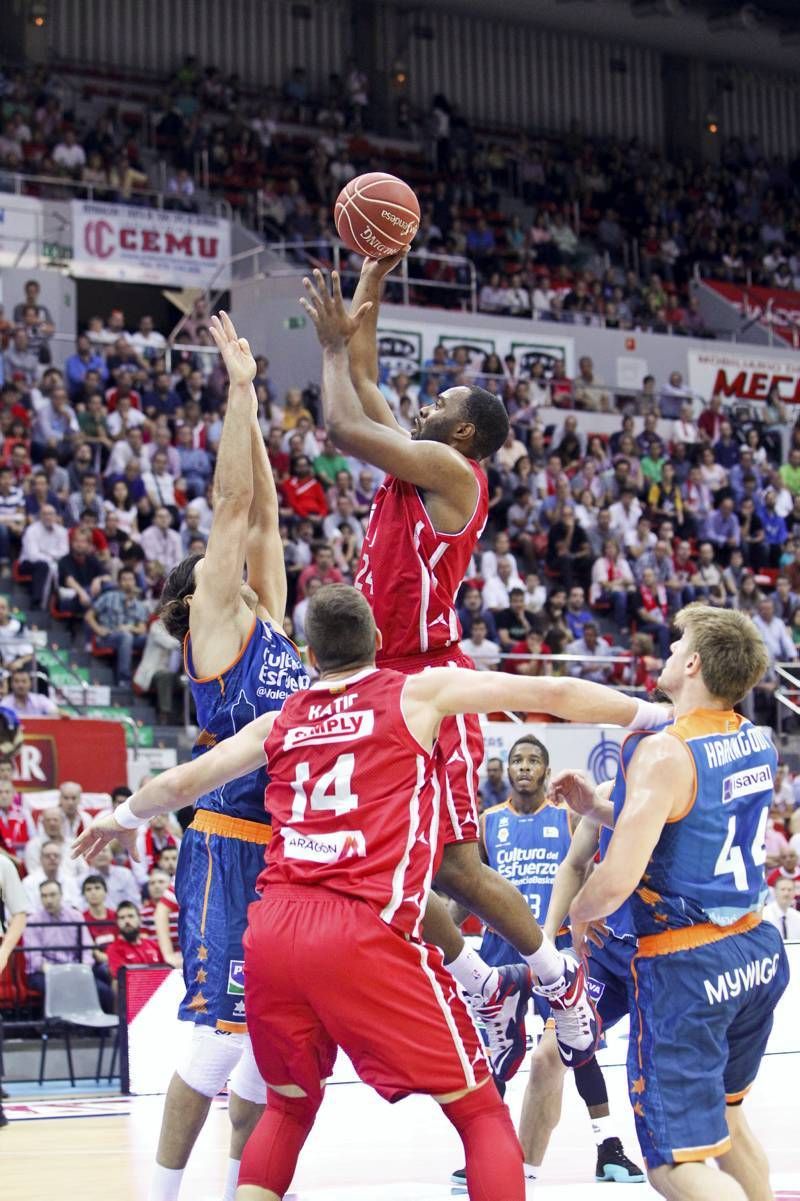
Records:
x=620, y=922
x=708, y=864
x=527, y=848
x=266, y=671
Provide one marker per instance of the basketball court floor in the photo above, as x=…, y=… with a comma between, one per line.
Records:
x=101, y=1148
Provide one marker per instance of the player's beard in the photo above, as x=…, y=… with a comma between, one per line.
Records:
x=130, y=935
x=435, y=429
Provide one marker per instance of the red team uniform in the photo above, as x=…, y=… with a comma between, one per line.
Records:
x=333, y=953
x=410, y=574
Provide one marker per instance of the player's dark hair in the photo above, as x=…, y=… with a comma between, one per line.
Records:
x=174, y=608
x=530, y=740
x=488, y=414
x=93, y=880
x=340, y=628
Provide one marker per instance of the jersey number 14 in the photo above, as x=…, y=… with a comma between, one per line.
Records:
x=332, y=791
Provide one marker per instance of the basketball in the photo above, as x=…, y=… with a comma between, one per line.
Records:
x=376, y=215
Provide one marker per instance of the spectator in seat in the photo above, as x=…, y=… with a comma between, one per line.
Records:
x=321, y=568
x=781, y=912
x=707, y=579
x=195, y=463
x=651, y=606
x=39, y=495
x=118, y=620
x=501, y=548
x=168, y=861
x=589, y=393
x=69, y=154
x=15, y=829
x=777, y=638
x=32, y=293
x=55, y=426
x=723, y=531
x=165, y=919
x=497, y=590
x=130, y=946
x=101, y=924
x=790, y=472
x=20, y=362
x=74, y=819
x=160, y=541
x=156, y=885
x=752, y=533
x=787, y=868
x=625, y=513
x=709, y=423
x=515, y=620
x=81, y=576
x=684, y=429
x=612, y=582
x=12, y=515
x=527, y=662
x=23, y=701
x=589, y=647
x=119, y=881
x=471, y=609
x=484, y=653
x=86, y=498
x=159, y=482
x=576, y=613
x=302, y=495
x=159, y=670
x=52, y=868
x=84, y=359
x=54, y=934
x=775, y=531
x=494, y=790
x=50, y=830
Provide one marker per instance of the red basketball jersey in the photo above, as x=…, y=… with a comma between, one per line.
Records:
x=354, y=798
x=410, y=573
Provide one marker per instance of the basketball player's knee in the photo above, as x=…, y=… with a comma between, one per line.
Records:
x=246, y=1080
x=546, y=1060
x=209, y=1060
x=300, y=1111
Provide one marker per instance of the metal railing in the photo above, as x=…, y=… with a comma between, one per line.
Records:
x=59, y=187
x=788, y=699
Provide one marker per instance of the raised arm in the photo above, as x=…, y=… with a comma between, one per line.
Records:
x=266, y=573
x=660, y=784
x=430, y=465
x=177, y=787
x=364, y=342
x=217, y=623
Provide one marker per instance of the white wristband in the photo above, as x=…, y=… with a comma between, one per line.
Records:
x=125, y=817
x=649, y=716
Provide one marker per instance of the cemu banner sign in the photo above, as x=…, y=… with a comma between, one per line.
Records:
x=149, y=246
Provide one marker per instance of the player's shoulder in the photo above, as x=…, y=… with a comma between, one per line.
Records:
x=502, y=806
x=663, y=748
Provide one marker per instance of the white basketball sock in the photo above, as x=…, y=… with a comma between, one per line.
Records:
x=547, y=964
x=602, y=1128
x=472, y=973
x=165, y=1184
x=531, y=1171
x=231, y=1179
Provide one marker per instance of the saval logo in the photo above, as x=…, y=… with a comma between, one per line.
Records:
x=323, y=848
x=236, y=977
x=745, y=783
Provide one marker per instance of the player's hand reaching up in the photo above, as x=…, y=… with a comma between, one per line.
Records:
x=335, y=326
x=235, y=351
x=379, y=268
x=575, y=790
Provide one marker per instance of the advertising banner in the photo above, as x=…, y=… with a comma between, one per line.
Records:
x=149, y=246
x=70, y=748
x=21, y=219
x=775, y=307
x=405, y=346
x=592, y=749
x=744, y=374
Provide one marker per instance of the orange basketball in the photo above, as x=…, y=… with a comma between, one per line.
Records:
x=376, y=215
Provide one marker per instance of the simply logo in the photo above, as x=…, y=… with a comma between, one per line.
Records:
x=236, y=977
x=745, y=783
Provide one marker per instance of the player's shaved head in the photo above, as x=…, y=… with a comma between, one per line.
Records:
x=340, y=628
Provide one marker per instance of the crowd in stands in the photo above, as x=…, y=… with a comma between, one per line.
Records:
x=119, y=911
x=566, y=228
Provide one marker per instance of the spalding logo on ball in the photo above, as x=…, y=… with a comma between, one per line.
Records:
x=376, y=215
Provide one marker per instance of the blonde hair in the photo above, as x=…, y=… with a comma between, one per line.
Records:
x=733, y=657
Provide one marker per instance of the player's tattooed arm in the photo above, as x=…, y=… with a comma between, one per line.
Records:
x=660, y=785
x=363, y=346
x=177, y=787
x=430, y=465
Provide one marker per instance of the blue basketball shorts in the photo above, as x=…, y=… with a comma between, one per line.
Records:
x=608, y=978
x=215, y=884
x=702, y=1014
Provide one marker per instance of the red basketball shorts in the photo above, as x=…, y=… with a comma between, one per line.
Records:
x=461, y=743
x=323, y=971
